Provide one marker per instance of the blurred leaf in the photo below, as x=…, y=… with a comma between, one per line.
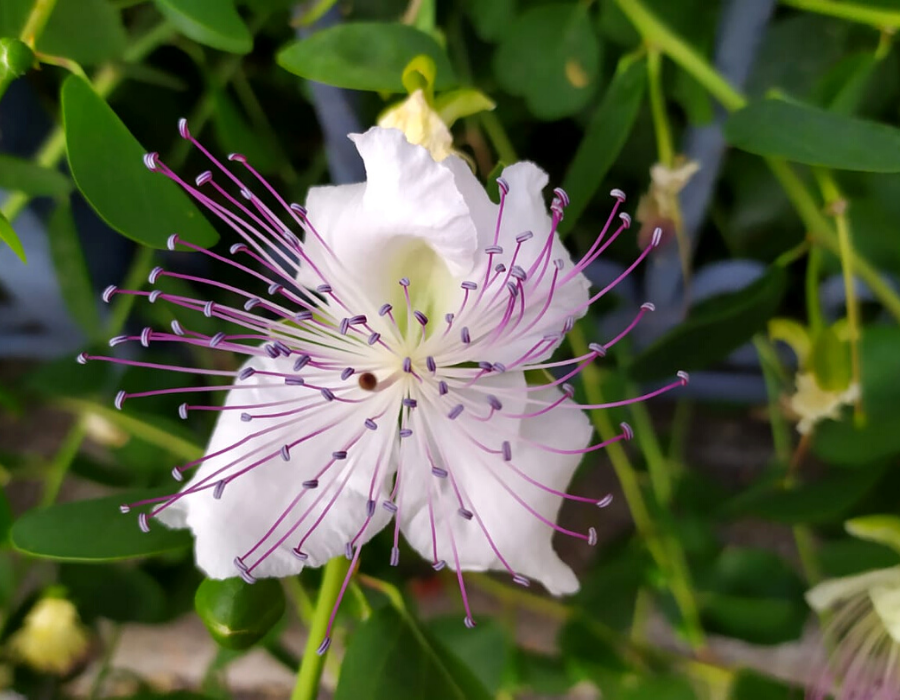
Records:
x=750, y=685
x=558, y=79
x=64, y=377
x=821, y=501
x=487, y=650
x=849, y=556
x=235, y=135
x=847, y=444
x=391, y=658
x=6, y=518
x=667, y=687
x=364, y=56
x=609, y=591
x=8, y=236
x=713, y=329
x=883, y=529
x=752, y=595
x=796, y=51
x=87, y=31
x=841, y=89
x=238, y=614
x=71, y=271
x=491, y=20
x=545, y=675
x=215, y=23
x=603, y=139
x=107, y=164
x=113, y=592
x=35, y=180
x=94, y=530
x=806, y=134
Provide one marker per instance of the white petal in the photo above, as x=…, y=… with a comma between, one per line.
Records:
x=250, y=504
x=828, y=593
x=409, y=202
x=524, y=210
x=522, y=539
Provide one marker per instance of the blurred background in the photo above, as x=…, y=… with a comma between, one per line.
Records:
x=760, y=136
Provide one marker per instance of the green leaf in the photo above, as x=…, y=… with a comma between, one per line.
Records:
x=107, y=164
x=542, y=674
x=487, y=650
x=6, y=517
x=806, y=134
x=604, y=138
x=551, y=57
x=491, y=20
x=72, y=272
x=8, y=236
x=667, y=687
x=113, y=592
x=215, y=23
x=35, y=180
x=713, y=329
x=16, y=59
x=883, y=529
x=364, y=56
x=87, y=31
x=391, y=658
x=238, y=614
x=464, y=102
x=750, y=685
x=822, y=501
x=849, y=556
x=752, y=595
x=93, y=530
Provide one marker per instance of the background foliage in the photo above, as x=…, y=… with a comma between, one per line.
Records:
x=787, y=233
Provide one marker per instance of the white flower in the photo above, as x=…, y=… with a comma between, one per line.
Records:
x=864, y=634
x=813, y=404
x=386, y=372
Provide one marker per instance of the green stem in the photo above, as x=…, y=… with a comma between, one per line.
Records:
x=878, y=18
x=657, y=466
x=307, y=686
x=664, y=148
x=62, y=461
x=657, y=34
x=497, y=134
x=820, y=231
x=109, y=650
x=37, y=20
x=813, y=304
x=665, y=551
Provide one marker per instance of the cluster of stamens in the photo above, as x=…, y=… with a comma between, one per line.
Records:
x=350, y=368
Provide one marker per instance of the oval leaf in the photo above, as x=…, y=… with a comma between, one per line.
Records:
x=215, y=23
x=814, y=136
x=391, y=658
x=558, y=79
x=87, y=31
x=93, y=530
x=713, y=329
x=107, y=164
x=364, y=56
x=238, y=614
x=604, y=137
